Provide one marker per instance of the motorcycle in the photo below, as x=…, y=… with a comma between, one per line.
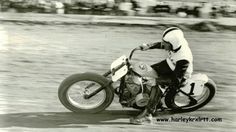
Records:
x=139, y=84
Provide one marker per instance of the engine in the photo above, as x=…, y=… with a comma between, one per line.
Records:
x=135, y=93
x=133, y=88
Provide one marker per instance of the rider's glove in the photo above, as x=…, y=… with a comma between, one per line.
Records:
x=144, y=47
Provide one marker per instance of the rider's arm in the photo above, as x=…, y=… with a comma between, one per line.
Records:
x=180, y=69
x=156, y=45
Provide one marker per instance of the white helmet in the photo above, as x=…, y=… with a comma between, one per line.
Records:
x=174, y=36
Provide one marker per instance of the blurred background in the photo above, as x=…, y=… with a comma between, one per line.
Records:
x=44, y=41
x=164, y=8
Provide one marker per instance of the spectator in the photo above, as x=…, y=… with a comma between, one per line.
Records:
x=126, y=7
x=206, y=10
x=59, y=7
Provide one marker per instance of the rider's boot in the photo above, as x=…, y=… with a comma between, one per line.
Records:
x=160, y=107
x=144, y=117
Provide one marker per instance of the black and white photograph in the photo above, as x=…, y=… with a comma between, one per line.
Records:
x=117, y=65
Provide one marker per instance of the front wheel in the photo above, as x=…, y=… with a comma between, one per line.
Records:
x=73, y=89
x=184, y=104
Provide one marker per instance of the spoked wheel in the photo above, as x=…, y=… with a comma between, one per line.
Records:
x=74, y=91
x=181, y=102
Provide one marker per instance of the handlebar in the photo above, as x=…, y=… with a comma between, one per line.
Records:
x=130, y=57
x=132, y=52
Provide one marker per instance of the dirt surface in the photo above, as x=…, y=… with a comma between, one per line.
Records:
x=35, y=59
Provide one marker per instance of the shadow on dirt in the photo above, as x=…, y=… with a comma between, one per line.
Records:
x=64, y=119
x=73, y=120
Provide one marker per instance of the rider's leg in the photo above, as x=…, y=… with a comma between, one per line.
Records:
x=155, y=99
x=146, y=114
x=162, y=68
x=164, y=72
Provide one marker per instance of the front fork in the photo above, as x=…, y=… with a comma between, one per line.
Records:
x=88, y=96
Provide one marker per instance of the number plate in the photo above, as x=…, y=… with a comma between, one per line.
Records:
x=121, y=71
x=195, y=84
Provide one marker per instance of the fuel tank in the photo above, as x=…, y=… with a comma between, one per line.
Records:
x=144, y=70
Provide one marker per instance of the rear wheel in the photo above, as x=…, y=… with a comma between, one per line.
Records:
x=73, y=90
x=185, y=104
